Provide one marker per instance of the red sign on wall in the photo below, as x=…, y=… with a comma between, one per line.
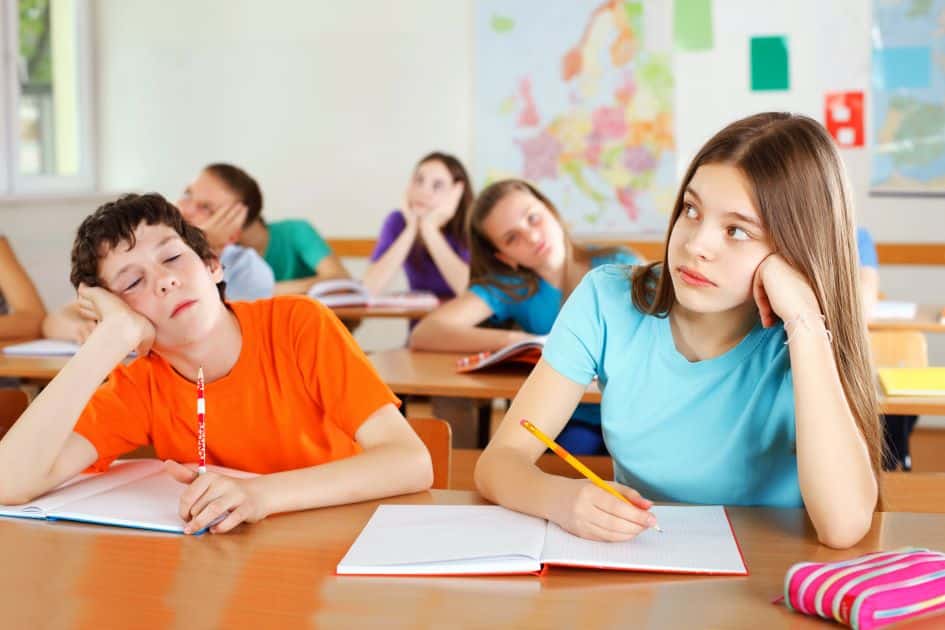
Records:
x=843, y=117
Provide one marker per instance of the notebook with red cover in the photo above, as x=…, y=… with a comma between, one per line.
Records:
x=491, y=540
x=526, y=352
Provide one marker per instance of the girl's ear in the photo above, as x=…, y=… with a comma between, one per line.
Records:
x=506, y=260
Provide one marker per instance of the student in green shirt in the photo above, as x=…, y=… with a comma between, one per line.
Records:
x=297, y=253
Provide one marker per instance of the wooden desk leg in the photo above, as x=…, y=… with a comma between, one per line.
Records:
x=485, y=421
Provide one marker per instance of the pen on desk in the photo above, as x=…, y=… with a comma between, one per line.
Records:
x=201, y=425
x=561, y=452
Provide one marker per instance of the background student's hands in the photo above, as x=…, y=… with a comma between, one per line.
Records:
x=585, y=510
x=781, y=291
x=68, y=323
x=411, y=216
x=107, y=309
x=440, y=215
x=223, y=226
x=210, y=496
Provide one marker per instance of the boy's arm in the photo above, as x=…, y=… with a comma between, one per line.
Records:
x=41, y=449
x=394, y=462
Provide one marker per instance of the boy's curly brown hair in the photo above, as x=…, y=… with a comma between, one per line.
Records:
x=115, y=222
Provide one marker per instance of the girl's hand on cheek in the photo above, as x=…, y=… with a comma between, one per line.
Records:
x=106, y=308
x=781, y=291
x=440, y=216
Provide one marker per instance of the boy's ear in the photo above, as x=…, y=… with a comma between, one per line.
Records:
x=216, y=269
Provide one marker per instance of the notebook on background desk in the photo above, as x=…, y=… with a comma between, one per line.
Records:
x=491, y=540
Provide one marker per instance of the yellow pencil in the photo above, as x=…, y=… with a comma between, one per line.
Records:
x=561, y=452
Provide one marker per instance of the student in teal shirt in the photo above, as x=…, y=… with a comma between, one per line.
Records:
x=736, y=372
x=523, y=264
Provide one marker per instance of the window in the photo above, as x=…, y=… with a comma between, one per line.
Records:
x=45, y=127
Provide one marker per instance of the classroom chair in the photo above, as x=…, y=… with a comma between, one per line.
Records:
x=898, y=348
x=912, y=492
x=437, y=435
x=13, y=402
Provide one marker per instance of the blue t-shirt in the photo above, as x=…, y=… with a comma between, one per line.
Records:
x=718, y=431
x=247, y=275
x=537, y=314
x=867, y=248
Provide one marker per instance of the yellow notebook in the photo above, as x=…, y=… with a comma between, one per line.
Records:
x=928, y=381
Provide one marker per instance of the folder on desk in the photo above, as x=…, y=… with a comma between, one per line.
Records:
x=136, y=494
x=928, y=381
x=491, y=540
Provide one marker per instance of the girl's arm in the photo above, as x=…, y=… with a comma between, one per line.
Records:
x=26, y=312
x=453, y=327
x=394, y=462
x=506, y=471
x=833, y=463
x=379, y=273
x=330, y=268
x=41, y=450
x=454, y=269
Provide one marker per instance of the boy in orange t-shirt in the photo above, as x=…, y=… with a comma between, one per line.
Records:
x=289, y=394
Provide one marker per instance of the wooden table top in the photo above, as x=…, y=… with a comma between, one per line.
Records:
x=434, y=374
x=927, y=319
x=280, y=572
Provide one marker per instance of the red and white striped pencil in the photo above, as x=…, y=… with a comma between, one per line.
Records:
x=201, y=425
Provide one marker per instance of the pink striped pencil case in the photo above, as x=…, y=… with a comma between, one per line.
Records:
x=870, y=591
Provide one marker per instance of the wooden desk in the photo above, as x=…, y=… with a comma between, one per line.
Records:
x=40, y=369
x=927, y=319
x=366, y=312
x=280, y=572
x=434, y=374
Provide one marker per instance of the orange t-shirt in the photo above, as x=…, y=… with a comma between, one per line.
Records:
x=297, y=394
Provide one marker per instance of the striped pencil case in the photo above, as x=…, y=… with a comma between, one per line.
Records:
x=870, y=591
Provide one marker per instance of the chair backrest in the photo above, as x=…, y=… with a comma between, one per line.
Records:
x=437, y=435
x=12, y=403
x=899, y=348
x=912, y=492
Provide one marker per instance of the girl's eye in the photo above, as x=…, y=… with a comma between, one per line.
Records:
x=533, y=218
x=133, y=285
x=737, y=233
x=690, y=211
x=511, y=239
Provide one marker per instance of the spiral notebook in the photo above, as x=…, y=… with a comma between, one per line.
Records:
x=135, y=493
x=491, y=540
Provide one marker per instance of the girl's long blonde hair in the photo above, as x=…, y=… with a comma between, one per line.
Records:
x=800, y=189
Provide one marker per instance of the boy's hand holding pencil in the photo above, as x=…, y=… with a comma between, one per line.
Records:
x=593, y=508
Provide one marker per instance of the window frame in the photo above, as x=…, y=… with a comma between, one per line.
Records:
x=12, y=182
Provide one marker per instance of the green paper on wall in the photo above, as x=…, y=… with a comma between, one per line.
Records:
x=692, y=24
x=769, y=63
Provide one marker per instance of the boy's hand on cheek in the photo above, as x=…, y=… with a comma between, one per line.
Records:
x=781, y=291
x=215, y=501
x=107, y=309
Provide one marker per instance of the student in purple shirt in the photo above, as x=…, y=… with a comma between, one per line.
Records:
x=427, y=235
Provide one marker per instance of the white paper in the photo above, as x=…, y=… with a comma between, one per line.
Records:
x=695, y=539
x=444, y=540
x=894, y=310
x=43, y=348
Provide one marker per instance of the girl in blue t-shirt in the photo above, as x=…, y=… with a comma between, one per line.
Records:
x=523, y=265
x=736, y=371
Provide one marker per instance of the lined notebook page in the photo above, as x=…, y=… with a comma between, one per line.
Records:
x=84, y=486
x=695, y=539
x=149, y=502
x=444, y=540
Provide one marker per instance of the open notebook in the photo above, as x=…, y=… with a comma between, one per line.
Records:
x=43, y=347
x=491, y=540
x=526, y=352
x=344, y=292
x=135, y=493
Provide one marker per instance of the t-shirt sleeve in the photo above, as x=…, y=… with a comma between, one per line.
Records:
x=575, y=344
x=117, y=419
x=498, y=301
x=247, y=275
x=337, y=373
x=866, y=248
x=311, y=245
x=393, y=225
x=624, y=256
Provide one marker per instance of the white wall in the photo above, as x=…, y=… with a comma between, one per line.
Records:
x=328, y=104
